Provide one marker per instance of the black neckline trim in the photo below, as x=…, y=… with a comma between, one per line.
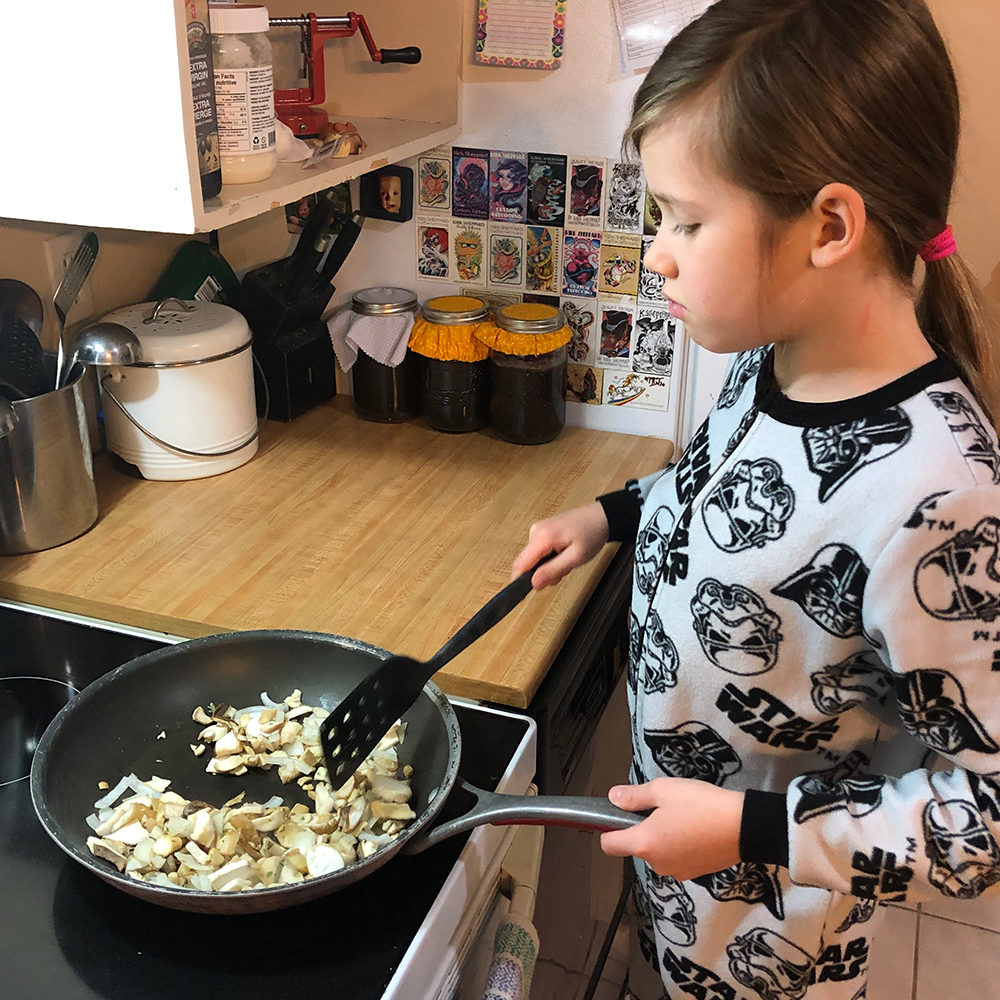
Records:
x=769, y=399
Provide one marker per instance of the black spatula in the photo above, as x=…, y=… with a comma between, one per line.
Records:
x=353, y=729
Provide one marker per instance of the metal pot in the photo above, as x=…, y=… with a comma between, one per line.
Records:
x=186, y=409
x=112, y=727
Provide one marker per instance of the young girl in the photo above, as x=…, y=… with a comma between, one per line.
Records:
x=814, y=674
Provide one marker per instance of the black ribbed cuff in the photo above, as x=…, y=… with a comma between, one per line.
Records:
x=622, y=509
x=764, y=828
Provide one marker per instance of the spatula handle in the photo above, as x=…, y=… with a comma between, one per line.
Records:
x=486, y=617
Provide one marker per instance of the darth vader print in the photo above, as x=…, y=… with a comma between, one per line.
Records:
x=749, y=506
x=859, y=679
x=838, y=787
x=968, y=428
x=964, y=857
x=829, y=589
x=746, y=367
x=934, y=709
x=960, y=579
x=738, y=632
x=692, y=750
x=747, y=882
x=839, y=452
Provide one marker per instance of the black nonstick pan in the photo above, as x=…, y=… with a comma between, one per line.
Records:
x=137, y=719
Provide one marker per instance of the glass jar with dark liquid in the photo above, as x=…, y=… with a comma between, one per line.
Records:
x=528, y=391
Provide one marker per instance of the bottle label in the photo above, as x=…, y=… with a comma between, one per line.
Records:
x=245, y=108
x=205, y=129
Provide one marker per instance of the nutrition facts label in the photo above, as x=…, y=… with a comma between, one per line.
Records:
x=245, y=109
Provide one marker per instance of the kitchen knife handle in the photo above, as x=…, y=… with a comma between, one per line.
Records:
x=342, y=246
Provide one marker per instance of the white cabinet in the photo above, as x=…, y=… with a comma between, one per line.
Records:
x=98, y=127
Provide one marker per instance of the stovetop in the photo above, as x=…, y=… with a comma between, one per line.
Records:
x=66, y=934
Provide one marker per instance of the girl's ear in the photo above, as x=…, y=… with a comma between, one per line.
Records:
x=838, y=213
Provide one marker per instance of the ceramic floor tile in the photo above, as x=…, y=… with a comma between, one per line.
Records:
x=955, y=961
x=978, y=912
x=890, y=975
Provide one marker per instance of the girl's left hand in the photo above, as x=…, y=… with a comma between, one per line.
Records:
x=693, y=829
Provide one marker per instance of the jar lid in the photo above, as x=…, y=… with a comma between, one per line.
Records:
x=455, y=310
x=237, y=18
x=530, y=317
x=183, y=332
x=383, y=300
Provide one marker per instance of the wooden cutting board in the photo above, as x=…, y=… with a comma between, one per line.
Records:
x=392, y=534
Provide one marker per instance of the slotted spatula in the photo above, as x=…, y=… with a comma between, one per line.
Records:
x=69, y=288
x=353, y=729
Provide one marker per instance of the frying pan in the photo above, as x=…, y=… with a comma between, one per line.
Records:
x=137, y=719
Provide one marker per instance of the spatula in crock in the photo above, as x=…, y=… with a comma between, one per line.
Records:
x=353, y=729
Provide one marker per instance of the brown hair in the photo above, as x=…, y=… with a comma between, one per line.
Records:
x=806, y=92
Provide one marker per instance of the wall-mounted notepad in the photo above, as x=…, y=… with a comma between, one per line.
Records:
x=521, y=34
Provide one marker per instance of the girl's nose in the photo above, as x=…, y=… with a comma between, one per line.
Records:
x=659, y=258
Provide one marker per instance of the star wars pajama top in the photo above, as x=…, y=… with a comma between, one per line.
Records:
x=814, y=618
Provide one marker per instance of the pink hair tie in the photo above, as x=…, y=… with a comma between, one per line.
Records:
x=943, y=245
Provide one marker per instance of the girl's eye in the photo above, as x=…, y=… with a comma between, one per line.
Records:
x=687, y=230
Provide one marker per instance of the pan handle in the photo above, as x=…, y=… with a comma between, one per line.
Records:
x=581, y=812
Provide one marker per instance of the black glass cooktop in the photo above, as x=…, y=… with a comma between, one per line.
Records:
x=65, y=934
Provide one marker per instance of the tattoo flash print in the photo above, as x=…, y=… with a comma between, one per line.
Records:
x=653, y=353
x=506, y=255
x=470, y=240
x=749, y=507
x=470, y=183
x=738, y=632
x=859, y=679
x=977, y=445
x=672, y=909
x=770, y=965
x=541, y=265
x=960, y=579
x=933, y=708
x=580, y=318
x=837, y=453
x=692, y=750
x=747, y=882
x=624, y=197
x=546, y=189
x=829, y=589
x=964, y=857
x=432, y=250
x=650, y=283
x=508, y=186
x=434, y=180
x=581, y=255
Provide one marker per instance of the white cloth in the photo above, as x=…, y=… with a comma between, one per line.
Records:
x=291, y=149
x=382, y=338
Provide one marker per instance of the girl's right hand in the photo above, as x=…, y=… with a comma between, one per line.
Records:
x=575, y=536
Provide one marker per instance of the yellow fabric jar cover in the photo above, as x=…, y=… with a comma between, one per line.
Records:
x=451, y=341
x=512, y=342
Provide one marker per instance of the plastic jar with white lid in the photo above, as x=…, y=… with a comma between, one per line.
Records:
x=244, y=92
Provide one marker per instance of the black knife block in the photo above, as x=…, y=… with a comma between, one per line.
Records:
x=263, y=300
x=300, y=368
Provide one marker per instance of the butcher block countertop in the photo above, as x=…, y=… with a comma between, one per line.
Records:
x=392, y=534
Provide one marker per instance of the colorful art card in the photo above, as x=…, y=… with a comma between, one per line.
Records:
x=650, y=283
x=469, y=246
x=508, y=186
x=585, y=384
x=619, y=267
x=433, y=248
x=546, y=189
x=470, y=183
x=651, y=215
x=506, y=255
x=581, y=318
x=543, y=259
x=653, y=341
x=646, y=392
x=581, y=258
x=585, y=201
x=614, y=348
x=626, y=192
x=433, y=179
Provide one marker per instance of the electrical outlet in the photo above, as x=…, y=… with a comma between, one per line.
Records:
x=59, y=251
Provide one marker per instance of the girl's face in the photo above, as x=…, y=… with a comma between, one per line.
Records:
x=708, y=248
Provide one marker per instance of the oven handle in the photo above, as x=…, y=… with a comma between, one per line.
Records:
x=581, y=812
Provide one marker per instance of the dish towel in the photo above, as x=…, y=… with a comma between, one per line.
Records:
x=382, y=338
x=515, y=949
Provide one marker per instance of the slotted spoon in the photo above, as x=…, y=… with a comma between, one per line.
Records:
x=353, y=729
x=69, y=289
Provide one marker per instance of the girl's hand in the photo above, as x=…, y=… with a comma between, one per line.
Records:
x=575, y=536
x=693, y=829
